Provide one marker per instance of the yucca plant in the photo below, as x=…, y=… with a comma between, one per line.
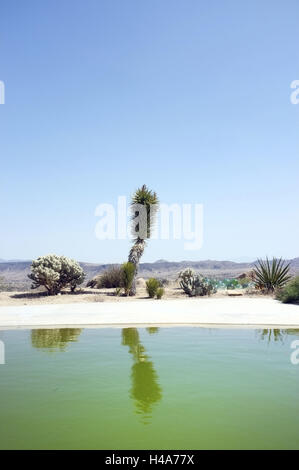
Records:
x=143, y=219
x=152, y=286
x=128, y=270
x=271, y=275
x=160, y=292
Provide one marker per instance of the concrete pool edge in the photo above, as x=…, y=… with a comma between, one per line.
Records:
x=211, y=312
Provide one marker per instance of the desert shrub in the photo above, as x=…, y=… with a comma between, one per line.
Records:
x=244, y=282
x=128, y=273
x=15, y=285
x=160, y=292
x=195, y=284
x=92, y=283
x=111, y=277
x=3, y=284
x=227, y=284
x=152, y=285
x=290, y=292
x=117, y=291
x=204, y=286
x=231, y=283
x=55, y=273
x=271, y=275
x=238, y=283
x=163, y=282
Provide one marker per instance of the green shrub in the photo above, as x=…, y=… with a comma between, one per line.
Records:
x=160, y=292
x=55, y=273
x=271, y=275
x=238, y=283
x=203, y=286
x=117, y=291
x=110, y=278
x=152, y=285
x=128, y=273
x=195, y=284
x=244, y=282
x=290, y=292
x=232, y=284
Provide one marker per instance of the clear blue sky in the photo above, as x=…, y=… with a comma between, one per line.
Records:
x=191, y=97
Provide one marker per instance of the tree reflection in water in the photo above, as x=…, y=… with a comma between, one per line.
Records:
x=145, y=390
x=276, y=334
x=55, y=339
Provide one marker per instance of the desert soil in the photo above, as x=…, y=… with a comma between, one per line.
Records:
x=172, y=291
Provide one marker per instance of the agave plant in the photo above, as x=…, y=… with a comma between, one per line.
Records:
x=144, y=206
x=271, y=275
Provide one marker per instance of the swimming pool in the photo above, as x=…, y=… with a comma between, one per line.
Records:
x=149, y=388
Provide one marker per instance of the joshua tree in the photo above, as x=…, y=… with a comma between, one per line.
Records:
x=144, y=206
x=146, y=390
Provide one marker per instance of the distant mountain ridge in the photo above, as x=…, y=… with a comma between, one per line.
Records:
x=15, y=272
x=13, y=260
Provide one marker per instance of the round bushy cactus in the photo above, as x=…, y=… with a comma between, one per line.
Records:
x=195, y=284
x=186, y=278
x=55, y=273
x=72, y=274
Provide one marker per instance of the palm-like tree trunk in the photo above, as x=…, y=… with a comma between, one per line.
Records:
x=142, y=223
x=134, y=257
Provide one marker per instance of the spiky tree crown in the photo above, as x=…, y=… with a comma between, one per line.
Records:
x=145, y=197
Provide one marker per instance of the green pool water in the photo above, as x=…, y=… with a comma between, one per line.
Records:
x=150, y=388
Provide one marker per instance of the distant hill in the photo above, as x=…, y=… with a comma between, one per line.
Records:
x=12, y=260
x=15, y=272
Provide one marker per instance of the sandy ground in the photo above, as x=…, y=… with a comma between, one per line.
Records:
x=84, y=295
x=220, y=311
x=94, y=295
